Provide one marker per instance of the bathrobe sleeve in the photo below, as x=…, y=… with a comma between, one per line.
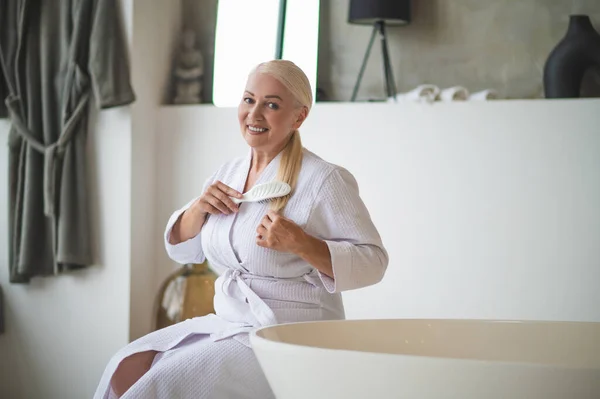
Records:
x=341, y=219
x=109, y=57
x=189, y=251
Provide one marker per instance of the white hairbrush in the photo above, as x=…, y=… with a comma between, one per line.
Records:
x=265, y=192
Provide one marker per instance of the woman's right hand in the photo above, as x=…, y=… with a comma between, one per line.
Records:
x=215, y=200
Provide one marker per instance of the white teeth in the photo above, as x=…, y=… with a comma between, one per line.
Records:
x=257, y=129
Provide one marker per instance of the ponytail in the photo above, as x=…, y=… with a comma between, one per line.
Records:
x=289, y=168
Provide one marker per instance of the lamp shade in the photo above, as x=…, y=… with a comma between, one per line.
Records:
x=367, y=12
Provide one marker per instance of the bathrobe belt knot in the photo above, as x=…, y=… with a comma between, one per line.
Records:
x=51, y=152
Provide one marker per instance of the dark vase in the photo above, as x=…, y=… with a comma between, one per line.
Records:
x=577, y=53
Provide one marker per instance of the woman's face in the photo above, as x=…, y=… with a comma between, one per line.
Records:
x=268, y=114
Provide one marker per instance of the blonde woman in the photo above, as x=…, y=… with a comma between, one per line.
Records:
x=287, y=261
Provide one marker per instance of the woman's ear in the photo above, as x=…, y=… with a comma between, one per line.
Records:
x=300, y=117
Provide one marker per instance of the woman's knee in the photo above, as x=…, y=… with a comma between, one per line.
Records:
x=130, y=370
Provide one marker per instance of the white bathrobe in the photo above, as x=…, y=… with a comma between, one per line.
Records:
x=210, y=356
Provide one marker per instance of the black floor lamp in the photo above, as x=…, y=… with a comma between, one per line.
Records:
x=379, y=14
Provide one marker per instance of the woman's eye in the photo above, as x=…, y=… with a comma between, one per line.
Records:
x=248, y=100
x=273, y=106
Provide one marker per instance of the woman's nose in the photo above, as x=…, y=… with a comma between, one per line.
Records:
x=255, y=113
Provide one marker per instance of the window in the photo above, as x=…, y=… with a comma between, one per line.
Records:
x=246, y=34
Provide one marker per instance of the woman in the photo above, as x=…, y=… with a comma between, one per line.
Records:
x=282, y=262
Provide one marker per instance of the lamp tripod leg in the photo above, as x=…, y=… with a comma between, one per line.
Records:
x=390, y=84
x=364, y=63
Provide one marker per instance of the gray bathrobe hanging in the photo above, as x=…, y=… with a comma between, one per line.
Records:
x=56, y=56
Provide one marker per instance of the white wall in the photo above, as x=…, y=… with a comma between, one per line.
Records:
x=78, y=321
x=60, y=331
x=155, y=34
x=488, y=210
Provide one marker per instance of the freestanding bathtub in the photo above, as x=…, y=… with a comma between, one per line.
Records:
x=431, y=359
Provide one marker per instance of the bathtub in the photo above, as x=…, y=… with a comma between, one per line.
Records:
x=431, y=359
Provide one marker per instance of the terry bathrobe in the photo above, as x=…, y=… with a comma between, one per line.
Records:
x=210, y=356
x=56, y=56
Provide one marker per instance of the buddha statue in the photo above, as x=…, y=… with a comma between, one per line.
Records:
x=188, y=71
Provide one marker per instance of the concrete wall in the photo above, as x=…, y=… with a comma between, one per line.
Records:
x=479, y=44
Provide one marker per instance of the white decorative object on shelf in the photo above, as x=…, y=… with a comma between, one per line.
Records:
x=189, y=70
x=429, y=93
x=484, y=95
x=454, y=93
x=422, y=93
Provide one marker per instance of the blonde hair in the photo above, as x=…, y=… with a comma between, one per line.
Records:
x=295, y=80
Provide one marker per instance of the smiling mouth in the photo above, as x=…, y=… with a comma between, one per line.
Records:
x=256, y=130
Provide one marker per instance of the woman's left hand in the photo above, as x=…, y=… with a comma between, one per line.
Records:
x=281, y=234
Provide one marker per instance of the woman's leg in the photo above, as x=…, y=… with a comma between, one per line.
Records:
x=130, y=370
x=202, y=369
